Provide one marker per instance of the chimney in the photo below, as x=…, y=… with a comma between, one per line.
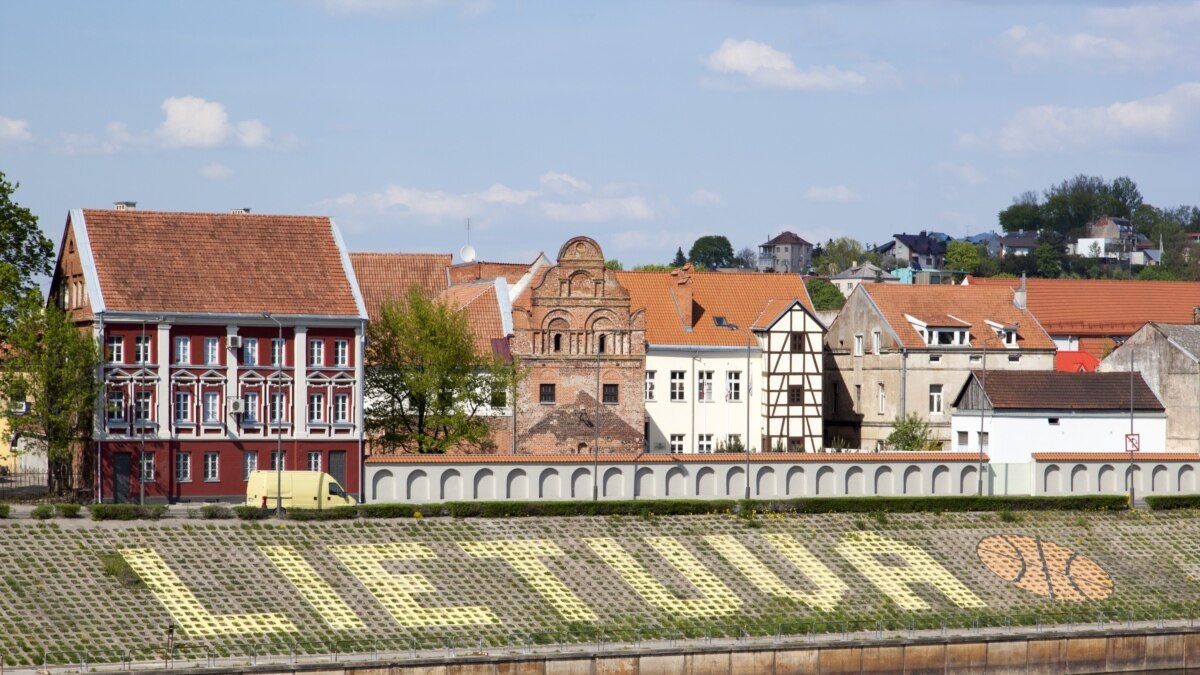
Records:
x=682, y=295
x=1019, y=296
x=124, y=206
x=245, y=210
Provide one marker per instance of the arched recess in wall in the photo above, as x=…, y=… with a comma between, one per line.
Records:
x=581, y=483
x=451, y=485
x=883, y=481
x=383, y=486
x=1079, y=479
x=969, y=481
x=1160, y=480
x=580, y=284
x=1107, y=479
x=517, y=485
x=418, y=486
x=676, y=482
x=706, y=482
x=548, y=484
x=825, y=482
x=794, y=485
x=1187, y=479
x=765, y=483
x=485, y=484
x=645, y=482
x=855, y=481
x=941, y=480
x=735, y=483
x=614, y=485
x=912, y=480
x=1052, y=480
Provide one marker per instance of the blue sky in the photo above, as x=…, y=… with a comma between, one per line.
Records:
x=642, y=124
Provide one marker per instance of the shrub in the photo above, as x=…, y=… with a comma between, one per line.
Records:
x=67, y=510
x=1164, y=502
x=42, y=512
x=215, y=512
x=127, y=511
x=251, y=513
x=4, y=510
x=386, y=510
x=335, y=513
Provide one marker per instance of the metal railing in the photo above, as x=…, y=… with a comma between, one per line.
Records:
x=599, y=640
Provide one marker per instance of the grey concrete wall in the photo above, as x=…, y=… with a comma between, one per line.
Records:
x=1155, y=475
x=1172, y=374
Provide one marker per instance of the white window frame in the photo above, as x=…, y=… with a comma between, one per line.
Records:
x=141, y=349
x=148, y=472
x=963, y=439
x=278, y=351
x=881, y=391
x=316, y=353
x=183, y=407
x=704, y=444
x=733, y=385
x=341, y=408
x=251, y=402
x=139, y=398
x=678, y=385
x=278, y=460
x=278, y=411
x=936, y=402
x=211, y=407
x=704, y=386
x=183, y=350
x=183, y=467
x=249, y=463
x=341, y=353
x=314, y=454
x=212, y=351
x=676, y=444
x=115, y=346
x=858, y=345
x=115, y=407
x=316, y=408
x=250, y=351
x=876, y=342
x=212, y=467
x=649, y=391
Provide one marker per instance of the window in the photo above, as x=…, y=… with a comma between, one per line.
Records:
x=677, y=392
x=796, y=343
x=983, y=441
x=602, y=343
x=183, y=349
x=316, y=352
x=116, y=349
x=277, y=462
x=212, y=407
x=935, y=399
x=1010, y=338
x=650, y=385
x=183, y=467
x=876, y=342
x=314, y=460
x=142, y=408
x=1053, y=421
x=316, y=408
x=796, y=394
x=856, y=404
x=249, y=463
x=546, y=393
x=557, y=342
x=733, y=385
x=250, y=352
x=1014, y=358
x=183, y=406
x=116, y=407
x=704, y=391
x=250, y=416
x=676, y=444
x=341, y=408
x=704, y=443
x=858, y=345
x=610, y=393
x=882, y=398
x=148, y=466
x=963, y=439
x=976, y=358
x=212, y=351
x=734, y=442
x=935, y=358
x=212, y=462
x=141, y=349
x=277, y=352
x=341, y=353
x=277, y=407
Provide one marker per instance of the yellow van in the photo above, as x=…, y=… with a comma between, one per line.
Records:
x=299, y=489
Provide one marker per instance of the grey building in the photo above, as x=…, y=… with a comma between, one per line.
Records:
x=787, y=252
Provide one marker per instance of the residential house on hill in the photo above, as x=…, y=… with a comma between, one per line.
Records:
x=785, y=253
x=1018, y=244
x=732, y=360
x=866, y=273
x=232, y=342
x=916, y=250
x=1168, y=357
x=896, y=350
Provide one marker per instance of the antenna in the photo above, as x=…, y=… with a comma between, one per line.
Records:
x=467, y=252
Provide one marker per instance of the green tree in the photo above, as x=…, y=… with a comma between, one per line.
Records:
x=825, y=296
x=839, y=254
x=711, y=252
x=1048, y=260
x=25, y=253
x=679, y=260
x=50, y=366
x=1025, y=214
x=963, y=256
x=654, y=268
x=909, y=434
x=613, y=264
x=427, y=385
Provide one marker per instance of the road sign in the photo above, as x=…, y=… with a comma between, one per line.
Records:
x=1132, y=442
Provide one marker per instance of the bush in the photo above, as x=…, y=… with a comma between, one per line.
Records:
x=42, y=512
x=1165, y=502
x=215, y=512
x=334, y=513
x=127, y=511
x=251, y=513
x=67, y=510
x=4, y=510
x=387, y=510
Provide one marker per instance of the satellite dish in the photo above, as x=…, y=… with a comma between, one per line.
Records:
x=467, y=253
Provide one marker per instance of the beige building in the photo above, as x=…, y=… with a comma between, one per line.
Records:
x=896, y=350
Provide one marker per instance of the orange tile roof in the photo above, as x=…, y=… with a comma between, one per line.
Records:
x=388, y=276
x=524, y=300
x=1097, y=347
x=973, y=304
x=1075, y=362
x=486, y=271
x=1103, y=307
x=741, y=297
x=479, y=303
x=1115, y=456
x=155, y=261
x=662, y=458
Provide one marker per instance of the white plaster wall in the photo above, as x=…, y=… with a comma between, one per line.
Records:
x=1111, y=477
x=691, y=417
x=1015, y=437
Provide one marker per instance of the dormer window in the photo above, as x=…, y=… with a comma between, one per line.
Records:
x=1006, y=333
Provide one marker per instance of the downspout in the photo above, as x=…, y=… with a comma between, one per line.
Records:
x=101, y=418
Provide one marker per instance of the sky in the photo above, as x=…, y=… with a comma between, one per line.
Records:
x=642, y=124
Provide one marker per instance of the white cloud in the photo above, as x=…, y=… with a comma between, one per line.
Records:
x=963, y=172
x=216, y=171
x=1142, y=36
x=253, y=134
x=705, y=198
x=562, y=183
x=641, y=241
x=188, y=122
x=762, y=65
x=1167, y=116
x=502, y=194
x=13, y=130
x=830, y=193
x=599, y=209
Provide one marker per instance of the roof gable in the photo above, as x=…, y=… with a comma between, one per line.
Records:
x=971, y=307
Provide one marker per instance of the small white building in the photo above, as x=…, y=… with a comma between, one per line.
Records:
x=1014, y=414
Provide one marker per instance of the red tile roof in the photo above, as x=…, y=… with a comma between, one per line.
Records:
x=388, y=276
x=1098, y=347
x=1075, y=362
x=662, y=458
x=486, y=271
x=941, y=305
x=1053, y=390
x=153, y=261
x=740, y=297
x=1103, y=307
x=479, y=303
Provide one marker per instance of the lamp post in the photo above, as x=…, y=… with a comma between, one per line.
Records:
x=1129, y=446
x=596, y=429
x=746, y=443
x=279, y=422
x=141, y=427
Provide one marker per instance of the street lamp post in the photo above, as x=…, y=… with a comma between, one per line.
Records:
x=279, y=422
x=1129, y=446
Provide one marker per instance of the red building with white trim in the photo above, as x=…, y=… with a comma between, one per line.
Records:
x=231, y=342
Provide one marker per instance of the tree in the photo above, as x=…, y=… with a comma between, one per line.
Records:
x=50, y=365
x=1025, y=214
x=839, y=254
x=963, y=256
x=654, y=268
x=909, y=434
x=613, y=264
x=746, y=259
x=711, y=252
x=825, y=296
x=426, y=383
x=679, y=260
x=25, y=253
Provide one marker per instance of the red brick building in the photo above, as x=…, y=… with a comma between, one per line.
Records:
x=232, y=342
